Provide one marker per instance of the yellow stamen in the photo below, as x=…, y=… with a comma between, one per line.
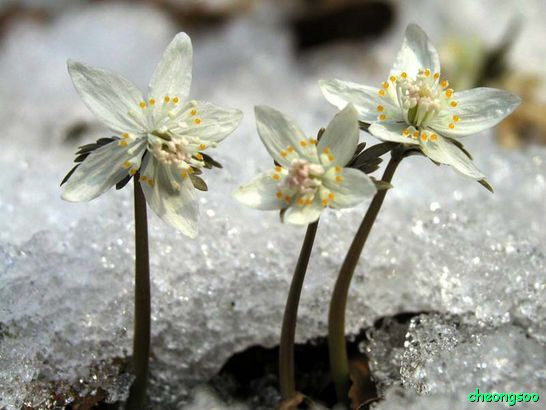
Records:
x=125, y=135
x=175, y=100
x=453, y=104
x=184, y=174
x=416, y=134
x=301, y=201
x=283, y=153
x=312, y=141
x=191, y=170
x=331, y=158
x=123, y=143
x=197, y=121
x=324, y=202
x=424, y=136
x=202, y=146
x=380, y=108
x=288, y=198
x=403, y=75
x=385, y=85
x=199, y=156
x=133, y=171
x=456, y=118
x=276, y=177
x=152, y=101
x=279, y=195
x=338, y=169
x=451, y=125
x=393, y=78
x=326, y=150
x=193, y=112
x=449, y=93
x=427, y=73
x=444, y=83
x=143, y=178
x=331, y=196
x=382, y=117
x=142, y=104
x=167, y=99
x=290, y=149
x=127, y=165
x=436, y=76
x=381, y=93
x=339, y=178
x=433, y=137
x=303, y=143
x=278, y=168
x=405, y=132
x=151, y=182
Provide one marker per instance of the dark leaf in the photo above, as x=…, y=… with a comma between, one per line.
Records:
x=377, y=150
x=360, y=147
x=209, y=160
x=363, y=125
x=81, y=157
x=486, y=185
x=371, y=166
x=197, y=171
x=67, y=177
x=281, y=214
x=199, y=183
x=319, y=133
x=123, y=182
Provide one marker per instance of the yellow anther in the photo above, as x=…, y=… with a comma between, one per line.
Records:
x=451, y=125
x=380, y=108
x=331, y=158
x=404, y=75
x=324, y=202
x=392, y=78
x=301, y=201
x=449, y=93
x=382, y=117
x=283, y=153
x=444, y=83
x=123, y=143
x=143, y=178
x=308, y=202
x=381, y=93
x=133, y=171
x=453, y=104
x=312, y=141
x=424, y=136
x=288, y=198
x=326, y=150
x=142, y=104
x=303, y=143
x=202, y=146
x=191, y=170
x=184, y=174
x=279, y=195
x=151, y=101
x=436, y=76
x=175, y=100
x=276, y=177
x=405, y=132
x=199, y=156
x=456, y=118
x=278, y=168
x=197, y=121
x=339, y=178
x=193, y=112
x=125, y=135
x=331, y=196
x=167, y=99
x=338, y=169
x=127, y=165
x=427, y=73
x=290, y=149
x=385, y=85
x=416, y=134
x=151, y=182
x=433, y=137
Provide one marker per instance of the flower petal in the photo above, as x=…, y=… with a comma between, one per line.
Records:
x=260, y=193
x=391, y=131
x=211, y=122
x=341, y=136
x=416, y=52
x=113, y=99
x=478, y=109
x=170, y=196
x=278, y=132
x=365, y=99
x=101, y=170
x=350, y=187
x=172, y=76
x=304, y=214
x=446, y=152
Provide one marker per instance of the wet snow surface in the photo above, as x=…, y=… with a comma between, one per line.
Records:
x=442, y=243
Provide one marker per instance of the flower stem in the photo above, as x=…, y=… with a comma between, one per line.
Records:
x=141, y=338
x=339, y=363
x=286, y=347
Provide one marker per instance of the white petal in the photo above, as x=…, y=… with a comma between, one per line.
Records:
x=341, y=136
x=260, y=193
x=304, y=215
x=352, y=188
x=364, y=98
x=478, y=109
x=172, y=76
x=391, y=131
x=215, y=124
x=101, y=170
x=176, y=207
x=416, y=52
x=110, y=97
x=278, y=132
x=446, y=152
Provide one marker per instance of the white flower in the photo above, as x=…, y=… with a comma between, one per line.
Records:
x=163, y=135
x=311, y=174
x=416, y=107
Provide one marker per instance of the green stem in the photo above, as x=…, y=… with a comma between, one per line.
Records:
x=339, y=362
x=286, y=347
x=141, y=338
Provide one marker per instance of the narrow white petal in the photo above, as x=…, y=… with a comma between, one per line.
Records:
x=101, y=170
x=110, y=97
x=341, y=136
x=446, y=152
x=177, y=206
x=172, y=76
x=416, y=52
x=364, y=98
x=260, y=193
x=478, y=109
x=278, y=133
x=391, y=131
x=304, y=215
x=350, y=187
x=211, y=122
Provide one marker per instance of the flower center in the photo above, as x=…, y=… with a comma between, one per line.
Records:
x=304, y=176
x=169, y=152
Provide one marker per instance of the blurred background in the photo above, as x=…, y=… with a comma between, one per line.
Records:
x=65, y=278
